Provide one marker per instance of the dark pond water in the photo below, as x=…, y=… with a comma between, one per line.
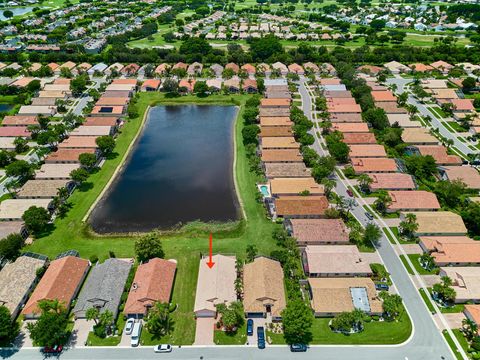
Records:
x=5, y=107
x=179, y=171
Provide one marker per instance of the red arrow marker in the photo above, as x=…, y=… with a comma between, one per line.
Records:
x=210, y=263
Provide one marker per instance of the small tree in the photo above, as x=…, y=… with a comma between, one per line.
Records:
x=88, y=160
x=36, y=219
x=232, y=316
x=251, y=252
x=409, y=226
x=10, y=246
x=372, y=234
x=51, y=327
x=92, y=314
x=382, y=202
x=19, y=168
x=149, y=246
x=297, y=319
x=158, y=320
x=8, y=329
x=79, y=175
x=444, y=290
x=21, y=145
x=106, y=144
x=392, y=304
x=469, y=328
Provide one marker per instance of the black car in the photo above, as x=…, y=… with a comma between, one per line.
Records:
x=298, y=348
x=261, y=337
x=249, y=327
x=382, y=286
x=369, y=215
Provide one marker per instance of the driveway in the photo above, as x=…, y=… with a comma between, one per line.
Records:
x=252, y=340
x=81, y=328
x=371, y=257
x=455, y=320
x=410, y=248
x=204, y=331
x=395, y=222
x=430, y=280
x=23, y=338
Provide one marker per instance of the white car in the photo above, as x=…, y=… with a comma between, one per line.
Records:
x=129, y=326
x=162, y=348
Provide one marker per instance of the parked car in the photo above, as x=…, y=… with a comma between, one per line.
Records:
x=298, y=348
x=56, y=349
x=249, y=327
x=350, y=193
x=137, y=331
x=129, y=326
x=261, y=337
x=369, y=215
x=381, y=286
x=162, y=348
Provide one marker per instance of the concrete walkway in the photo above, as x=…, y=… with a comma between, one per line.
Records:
x=80, y=332
x=204, y=331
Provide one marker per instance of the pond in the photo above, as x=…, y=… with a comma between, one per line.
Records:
x=6, y=107
x=16, y=11
x=180, y=170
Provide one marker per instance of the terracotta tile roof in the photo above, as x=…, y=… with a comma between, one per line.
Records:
x=374, y=165
x=345, y=118
x=14, y=131
x=279, y=143
x=344, y=108
x=112, y=110
x=60, y=282
x=282, y=155
x=295, y=68
x=420, y=67
x=282, y=170
x=372, y=69
x=441, y=65
x=391, y=181
x=275, y=121
x=263, y=285
x=381, y=96
x=275, y=102
x=233, y=66
x=435, y=243
x=359, y=138
x=18, y=120
x=294, y=186
x=469, y=175
x=124, y=82
x=151, y=83
x=74, y=142
x=113, y=101
x=444, y=93
x=341, y=101
x=472, y=311
x=413, y=200
x=337, y=94
x=301, y=205
x=249, y=68
x=438, y=222
x=465, y=282
x=458, y=254
x=463, y=104
x=275, y=131
x=357, y=151
x=101, y=121
x=439, y=153
x=330, y=81
x=311, y=67
x=180, y=65
x=249, y=84
x=67, y=155
x=354, y=127
x=332, y=295
x=274, y=112
x=153, y=282
x=319, y=231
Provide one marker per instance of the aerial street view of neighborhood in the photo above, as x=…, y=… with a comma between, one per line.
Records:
x=240, y=179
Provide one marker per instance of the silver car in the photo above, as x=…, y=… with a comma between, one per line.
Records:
x=162, y=348
x=129, y=326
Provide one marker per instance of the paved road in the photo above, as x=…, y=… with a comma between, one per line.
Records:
x=427, y=342
x=423, y=110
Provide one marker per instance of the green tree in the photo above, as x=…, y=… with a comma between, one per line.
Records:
x=470, y=329
x=51, y=327
x=422, y=167
x=149, y=246
x=372, y=234
x=8, y=329
x=444, y=290
x=249, y=134
x=449, y=192
x=21, y=145
x=8, y=14
x=88, y=160
x=382, y=202
x=170, y=86
x=364, y=181
x=265, y=48
x=250, y=115
x=19, y=168
x=376, y=117
x=79, y=84
x=232, y=316
x=92, y=313
x=392, y=304
x=10, y=246
x=409, y=225
x=158, y=320
x=36, y=219
x=469, y=84
x=79, y=175
x=297, y=320
x=106, y=144
x=251, y=252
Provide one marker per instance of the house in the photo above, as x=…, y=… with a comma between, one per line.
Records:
x=301, y=206
x=280, y=68
x=274, y=112
x=108, y=110
x=215, y=285
x=395, y=67
x=295, y=186
x=232, y=85
x=286, y=170
x=162, y=69
x=418, y=136
x=93, y=131
x=15, y=131
x=116, y=67
x=367, y=151
x=382, y=96
x=186, y=85
x=467, y=174
x=332, y=296
x=104, y=287
x=419, y=67
x=273, y=121
x=249, y=86
x=311, y=67
x=20, y=120
x=353, y=127
x=281, y=155
x=12, y=227
x=295, y=69
x=391, y=107
x=264, y=294
x=33, y=110
x=334, y=261
x=214, y=85
x=442, y=66
x=232, y=66
x=370, y=69
x=67, y=155
x=374, y=165
x=43, y=189
x=61, y=282
x=465, y=282
x=217, y=69
x=194, y=69
x=434, y=84
x=472, y=312
x=275, y=103
x=279, y=143
x=439, y=153
x=153, y=282
x=7, y=143
x=97, y=69
x=150, y=85
x=416, y=200
x=249, y=69
x=275, y=131
x=444, y=223
x=55, y=171
x=318, y=231
x=264, y=68
x=13, y=209
x=130, y=69
x=337, y=108
x=359, y=138
x=391, y=181
x=345, y=118
x=435, y=243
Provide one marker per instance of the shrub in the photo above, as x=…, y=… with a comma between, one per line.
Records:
x=94, y=259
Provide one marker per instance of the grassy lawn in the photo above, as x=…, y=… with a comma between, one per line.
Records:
x=426, y=300
x=416, y=264
x=438, y=111
x=375, y=332
x=457, y=308
x=405, y=263
x=186, y=245
x=94, y=340
x=456, y=126
x=237, y=338
x=461, y=339
x=452, y=345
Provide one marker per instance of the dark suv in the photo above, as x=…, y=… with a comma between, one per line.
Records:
x=261, y=337
x=249, y=327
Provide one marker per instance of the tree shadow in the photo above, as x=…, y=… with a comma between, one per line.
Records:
x=85, y=186
x=46, y=232
x=112, y=155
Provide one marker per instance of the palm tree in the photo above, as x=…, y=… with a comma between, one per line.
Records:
x=449, y=143
x=382, y=202
x=364, y=181
x=92, y=314
x=328, y=185
x=470, y=328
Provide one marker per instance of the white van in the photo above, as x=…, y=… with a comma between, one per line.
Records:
x=137, y=331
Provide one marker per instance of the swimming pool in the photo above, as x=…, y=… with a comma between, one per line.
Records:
x=264, y=189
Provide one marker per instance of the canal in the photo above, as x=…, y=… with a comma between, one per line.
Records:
x=180, y=170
